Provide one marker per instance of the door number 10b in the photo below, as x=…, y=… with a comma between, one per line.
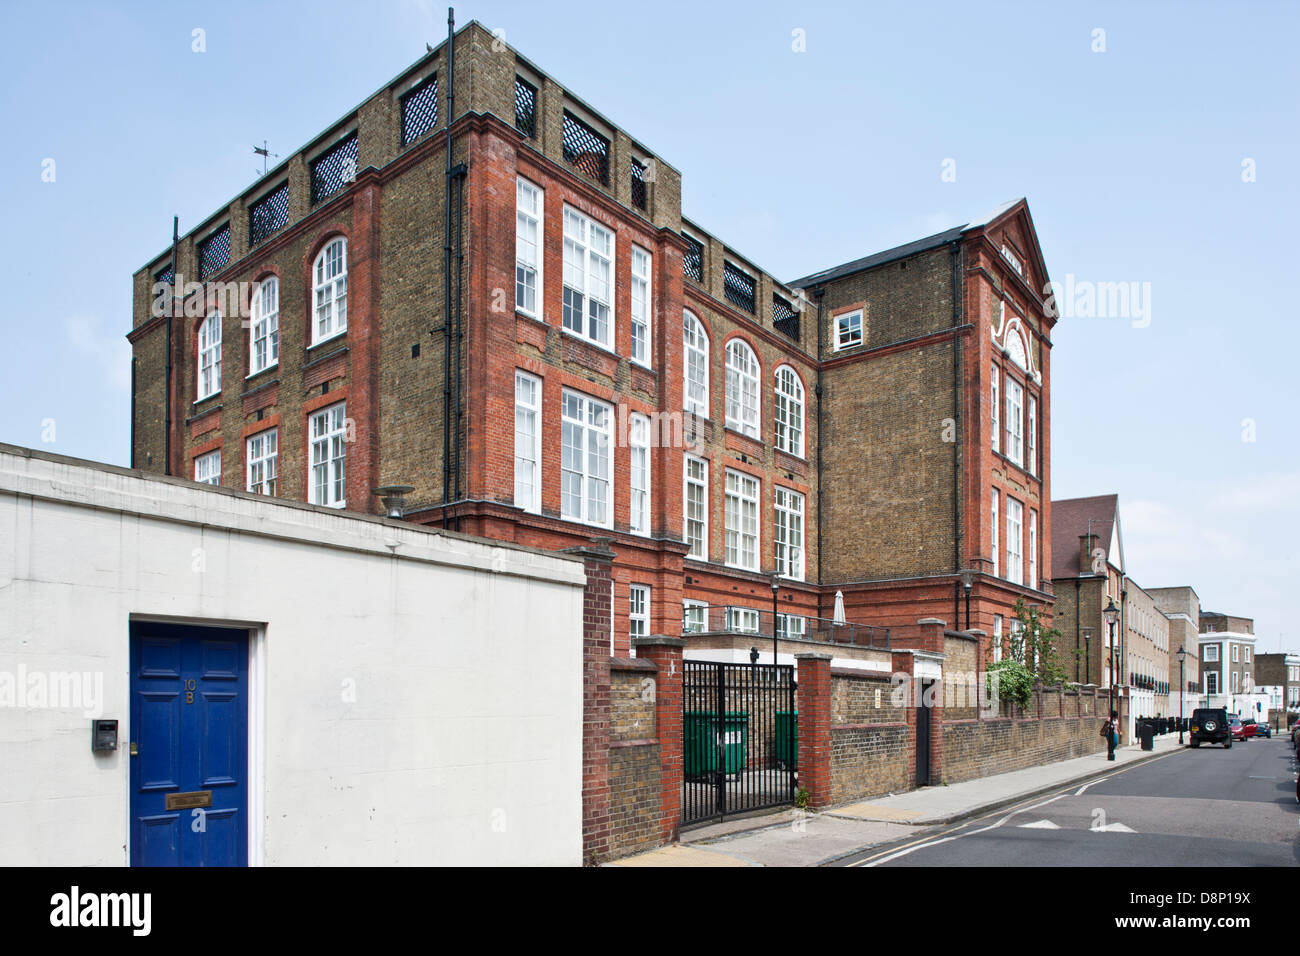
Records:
x=189, y=690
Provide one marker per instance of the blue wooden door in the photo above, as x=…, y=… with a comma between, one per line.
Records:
x=189, y=745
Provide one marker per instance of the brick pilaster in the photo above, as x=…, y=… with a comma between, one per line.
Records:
x=666, y=654
x=814, y=702
x=597, y=611
x=902, y=664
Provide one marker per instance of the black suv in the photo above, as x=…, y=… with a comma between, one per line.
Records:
x=1210, y=726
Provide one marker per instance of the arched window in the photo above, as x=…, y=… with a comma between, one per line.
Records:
x=265, y=342
x=210, y=355
x=331, y=286
x=696, y=346
x=742, y=388
x=788, y=411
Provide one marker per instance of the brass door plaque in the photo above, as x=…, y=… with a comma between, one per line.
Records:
x=187, y=801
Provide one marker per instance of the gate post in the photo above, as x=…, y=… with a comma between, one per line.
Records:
x=814, y=706
x=666, y=654
x=597, y=615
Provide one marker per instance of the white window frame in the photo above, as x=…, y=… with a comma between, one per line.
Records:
x=1211, y=653
x=1031, y=434
x=209, y=377
x=638, y=612
x=788, y=411
x=528, y=441
x=1245, y=654
x=327, y=442
x=741, y=510
x=997, y=637
x=1211, y=678
x=1236, y=653
x=783, y=630
x=848, y=335
x=744, y=407
x=582, y=415
x=1015, y=541
x=695, y=347
x=692, y=610
x=700, y=482
x=638, y=440
x=642, y=336
x=996, y=546
x=263, y=456
x=788, y=508
x=1033, y=548
x=330, y=291
x=997, y=407
x=1236, y=682
x=207, y=468
x=743, y=620
x=588, y=276
x=529, y=217
x=1015, y=450
x=264, y=334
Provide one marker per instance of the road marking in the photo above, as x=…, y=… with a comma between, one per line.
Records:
x=923, y=842
x=1113, y=828
x=956, y=836
x=1040, y=825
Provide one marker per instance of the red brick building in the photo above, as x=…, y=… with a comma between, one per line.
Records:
x=525, y=329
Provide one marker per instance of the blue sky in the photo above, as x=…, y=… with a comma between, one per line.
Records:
x=1132, y=160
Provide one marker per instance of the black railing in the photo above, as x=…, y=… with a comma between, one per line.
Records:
x=738, y=286
x=784, y=318
x=214, y=253
x=334, y=170
x=638, y=185
x=734, y=619
x=693, y=261
x=585, y=149
x=525, y=107
x=268, y=215
x=420, y=110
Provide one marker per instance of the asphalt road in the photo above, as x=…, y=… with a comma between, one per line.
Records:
x=1205, y=807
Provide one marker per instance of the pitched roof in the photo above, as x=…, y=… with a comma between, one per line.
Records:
x=917, y=246
x=1073, y=517
x=878, y=258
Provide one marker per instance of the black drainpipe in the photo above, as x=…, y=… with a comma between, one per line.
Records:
x=821, y=578
x=133, y=412
x=446, y=271
x=167, y=374
x=957, y=538
x=459, y=172
x=1076, y=631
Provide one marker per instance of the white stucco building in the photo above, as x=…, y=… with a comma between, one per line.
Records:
x=299, y=686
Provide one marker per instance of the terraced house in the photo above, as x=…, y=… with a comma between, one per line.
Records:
x=476, y=287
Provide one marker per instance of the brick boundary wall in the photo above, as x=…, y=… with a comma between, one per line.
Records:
x=1058, y=725
x=596, y=622
x=635, y=768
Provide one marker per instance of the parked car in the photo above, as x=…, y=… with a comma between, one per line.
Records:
x=1209, y=725
x=1258, y=729
x=1239, y=730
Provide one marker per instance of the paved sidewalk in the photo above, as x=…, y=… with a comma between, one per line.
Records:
x=789, y=838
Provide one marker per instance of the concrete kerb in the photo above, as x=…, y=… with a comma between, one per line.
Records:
x=1000, y=802
x=762, y=820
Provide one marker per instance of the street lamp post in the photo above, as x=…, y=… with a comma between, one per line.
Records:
x=1111, y=614
x=776, y=590
x=1182, y=656
x=967, y=581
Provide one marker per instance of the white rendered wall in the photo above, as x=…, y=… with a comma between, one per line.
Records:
x=417, y=697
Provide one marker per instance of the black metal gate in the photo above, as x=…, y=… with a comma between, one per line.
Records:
x=740, y=738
